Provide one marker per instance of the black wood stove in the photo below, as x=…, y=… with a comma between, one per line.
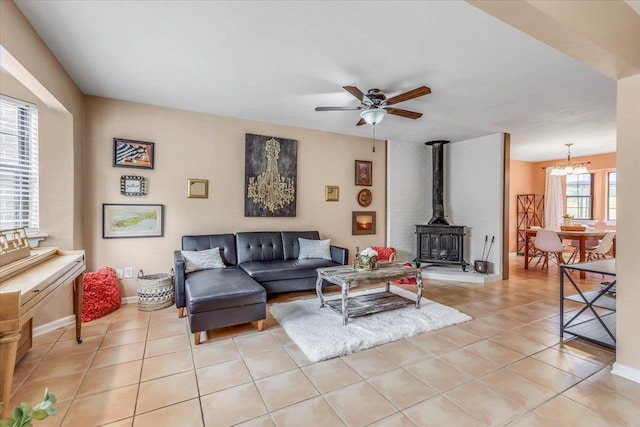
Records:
x=439, y=242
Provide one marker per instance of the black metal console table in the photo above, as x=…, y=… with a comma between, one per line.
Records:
x=601, y=329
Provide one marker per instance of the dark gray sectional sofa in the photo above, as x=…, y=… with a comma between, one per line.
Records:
x=257, y=263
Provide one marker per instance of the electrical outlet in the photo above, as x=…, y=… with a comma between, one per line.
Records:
x=119, y=273
x=128, y=272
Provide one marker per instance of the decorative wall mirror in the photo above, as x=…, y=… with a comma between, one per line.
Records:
x=197, y=188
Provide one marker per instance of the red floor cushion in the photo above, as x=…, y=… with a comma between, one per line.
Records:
x=406, y=280
x=100, y=294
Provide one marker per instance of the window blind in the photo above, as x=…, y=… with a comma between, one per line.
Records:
x=19, y=201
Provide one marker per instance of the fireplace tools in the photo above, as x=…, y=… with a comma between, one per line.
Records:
x=483, y=265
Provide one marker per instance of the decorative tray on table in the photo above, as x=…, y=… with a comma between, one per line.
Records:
x=573, y=228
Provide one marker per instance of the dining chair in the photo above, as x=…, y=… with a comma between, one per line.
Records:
x=600, y=251
x=589, y=245
x=547, y=241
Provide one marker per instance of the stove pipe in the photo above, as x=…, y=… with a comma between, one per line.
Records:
x=437, y=199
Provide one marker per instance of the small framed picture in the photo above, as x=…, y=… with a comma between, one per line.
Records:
x=132, y=185
x=331, y=193
x=123, y=220
x=363, y=172
x=133, y=154
x=197, y=188
x=363, y=222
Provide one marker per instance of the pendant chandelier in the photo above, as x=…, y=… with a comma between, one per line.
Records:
x=569, y=167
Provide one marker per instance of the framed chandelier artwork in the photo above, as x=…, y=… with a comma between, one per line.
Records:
x=270, y=173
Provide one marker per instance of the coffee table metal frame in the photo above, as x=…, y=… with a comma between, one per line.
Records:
x=348, y=277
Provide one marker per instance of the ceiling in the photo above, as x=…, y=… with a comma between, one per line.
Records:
x=274, y=61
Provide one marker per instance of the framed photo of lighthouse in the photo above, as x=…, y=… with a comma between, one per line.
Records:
x=128, y=153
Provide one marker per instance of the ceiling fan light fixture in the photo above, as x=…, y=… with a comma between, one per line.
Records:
x=373, y=116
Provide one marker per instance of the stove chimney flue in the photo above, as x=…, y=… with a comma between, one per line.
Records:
x=437, y=197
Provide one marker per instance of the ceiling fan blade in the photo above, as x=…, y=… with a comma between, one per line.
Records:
x=355, y=92
x=404, y=113
x=415, y=93
x=361, y=122
x=339, y=108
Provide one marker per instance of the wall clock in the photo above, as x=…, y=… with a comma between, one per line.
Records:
x=131, y=185
x=364, y=197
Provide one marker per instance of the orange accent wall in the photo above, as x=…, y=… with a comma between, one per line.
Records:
x=521, y=182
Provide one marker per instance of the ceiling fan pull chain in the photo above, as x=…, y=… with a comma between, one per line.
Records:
x=374, y=137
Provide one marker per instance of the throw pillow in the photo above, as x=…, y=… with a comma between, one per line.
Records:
x=202, y=260
x=314, y=248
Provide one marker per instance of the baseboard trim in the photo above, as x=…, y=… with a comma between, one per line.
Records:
x=52, y=326
x=68, y=320
x=626, y=372
x=130, y=300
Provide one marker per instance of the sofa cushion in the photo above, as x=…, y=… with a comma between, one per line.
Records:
x=208, y=290
x=265, y=271
x=259, y=246
x=314, y=249
x=202, y=260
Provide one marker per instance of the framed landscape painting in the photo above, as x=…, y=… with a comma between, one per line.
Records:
x=124, y=220
x=363, y=222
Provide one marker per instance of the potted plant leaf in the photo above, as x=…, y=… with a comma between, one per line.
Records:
x=23, y=415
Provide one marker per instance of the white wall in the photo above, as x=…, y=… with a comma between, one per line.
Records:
x=408, y=194
x=472, y=193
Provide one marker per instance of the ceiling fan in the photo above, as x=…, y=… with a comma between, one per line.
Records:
x=374, y=105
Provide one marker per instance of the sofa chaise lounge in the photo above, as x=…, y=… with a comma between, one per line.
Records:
x=255, y=263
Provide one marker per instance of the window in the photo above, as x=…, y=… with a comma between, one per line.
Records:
x=580, y=196
x=611, y=196
x=18, y=164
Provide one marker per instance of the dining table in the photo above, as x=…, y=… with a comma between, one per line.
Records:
x=581, y=236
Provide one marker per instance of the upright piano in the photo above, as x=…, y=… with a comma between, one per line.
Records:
x=28, y=277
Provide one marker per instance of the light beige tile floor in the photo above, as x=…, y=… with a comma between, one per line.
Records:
x=508, y=366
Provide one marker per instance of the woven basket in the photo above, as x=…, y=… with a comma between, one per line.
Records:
x=155, y=291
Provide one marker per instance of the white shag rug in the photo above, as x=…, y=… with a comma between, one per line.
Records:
x=320, y=334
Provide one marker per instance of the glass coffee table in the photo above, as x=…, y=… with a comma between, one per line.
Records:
x=348, y=277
